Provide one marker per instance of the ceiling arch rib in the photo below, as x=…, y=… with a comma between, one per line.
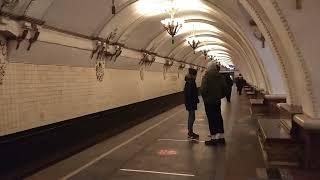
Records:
x=184, y=49
x=190, y=51
x=161, y=38
x=129, y=9
x=183, y=43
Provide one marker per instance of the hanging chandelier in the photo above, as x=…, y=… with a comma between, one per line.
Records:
x=172, y=25
x=193, y=41
x=205, y=53
x=211, y=57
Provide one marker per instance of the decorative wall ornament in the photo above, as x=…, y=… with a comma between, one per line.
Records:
x=98, y=46
x=100, y=67
x=166, y=66
x=101, y=44
x=181, y=68
x=2, y=72
x=3, y=60
x=28, y=28
x=107, y=50
x=147, y=58
x=21, y=38
x=34, y=35
x=203, y=70
x=257, y=33
x=10, y=4
x=142, y=70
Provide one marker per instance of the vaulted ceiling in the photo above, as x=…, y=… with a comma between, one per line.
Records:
x=221, y=26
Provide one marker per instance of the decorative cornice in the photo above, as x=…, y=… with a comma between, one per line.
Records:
x=272, y=35
x=307, y=78
x=269, y=35
x=252, y=53
x=3, y=60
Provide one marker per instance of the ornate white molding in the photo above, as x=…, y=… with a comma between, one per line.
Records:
x=166, y=67
x=100, y=67
x=307, y=78
x=180, y=69
x=256, y=15
x=259, y=16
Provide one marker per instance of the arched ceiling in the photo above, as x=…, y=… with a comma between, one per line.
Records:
x=137, y=24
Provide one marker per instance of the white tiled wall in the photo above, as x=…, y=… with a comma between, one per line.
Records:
x=37, y=95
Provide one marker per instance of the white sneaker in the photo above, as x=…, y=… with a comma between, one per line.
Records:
x=220, y=136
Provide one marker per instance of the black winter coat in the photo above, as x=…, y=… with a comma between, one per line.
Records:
x=190, y=94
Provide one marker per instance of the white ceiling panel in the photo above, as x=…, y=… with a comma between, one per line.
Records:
x=81, y=16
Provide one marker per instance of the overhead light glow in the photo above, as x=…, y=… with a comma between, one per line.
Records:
x=209, y=39
x=216, y=52
x=157, y=7
x=188, y=27
x=211, y=47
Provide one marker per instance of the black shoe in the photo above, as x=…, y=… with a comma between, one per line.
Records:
x=221, y=141
x=193, y=136
x=211, y=142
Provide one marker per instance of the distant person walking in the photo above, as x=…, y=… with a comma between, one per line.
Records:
x=213, y=89
x=229, y=82
x=191, y=100
x=240, y=82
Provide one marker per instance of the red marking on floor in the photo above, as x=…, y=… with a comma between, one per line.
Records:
x=167, y=152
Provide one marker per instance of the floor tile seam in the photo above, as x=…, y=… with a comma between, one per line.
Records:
x=73, y=158
x=76, y=171
x=113, y=173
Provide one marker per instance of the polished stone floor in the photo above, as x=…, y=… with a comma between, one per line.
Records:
x=158, y=149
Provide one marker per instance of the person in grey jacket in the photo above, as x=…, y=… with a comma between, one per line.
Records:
x=213, y=89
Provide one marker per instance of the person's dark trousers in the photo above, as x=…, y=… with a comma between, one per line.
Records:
x=191, y=119
x=239, y=90
x=228, y=95
x=215, y=120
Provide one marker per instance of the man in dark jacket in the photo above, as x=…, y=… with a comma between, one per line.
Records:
x=191, y=100
x=240, y=82
x=213, y=89
x=229, y=82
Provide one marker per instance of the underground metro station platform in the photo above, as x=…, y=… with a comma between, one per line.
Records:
x=96, y=89
x=158, y=148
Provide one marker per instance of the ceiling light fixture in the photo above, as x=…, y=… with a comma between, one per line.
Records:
x=205, y=53
x=172, y=25
x=113, y=8
x=193, y=41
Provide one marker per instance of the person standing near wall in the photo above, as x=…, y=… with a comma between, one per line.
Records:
x=191, y=100
x=229, y=82
x=213, y=89
x=240, y=82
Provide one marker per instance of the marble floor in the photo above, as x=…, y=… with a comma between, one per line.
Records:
x=159, y=149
